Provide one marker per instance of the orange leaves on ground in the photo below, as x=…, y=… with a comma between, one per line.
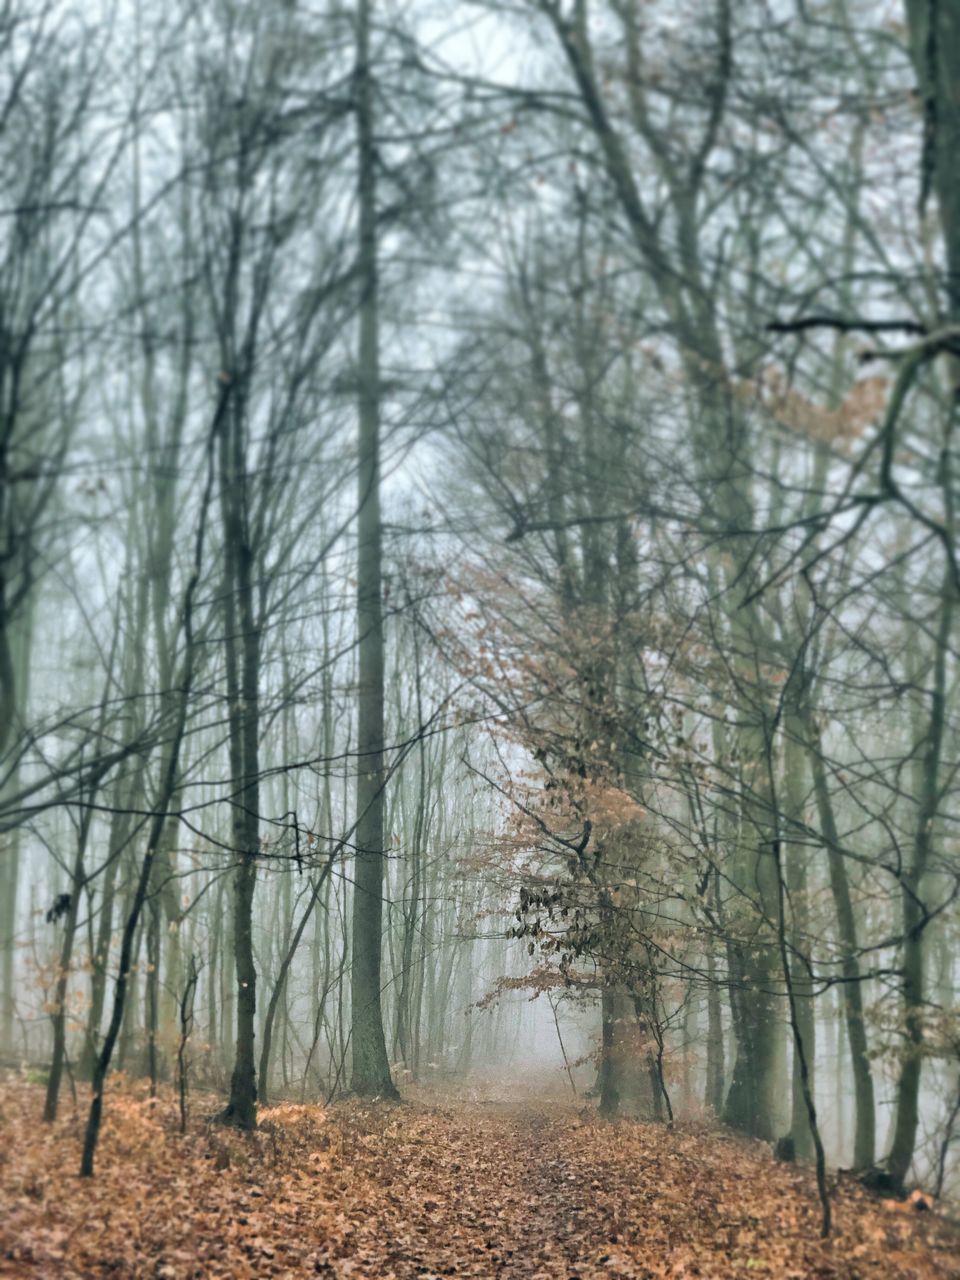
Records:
x=380, y=1191
x=916, y=1202
x=211, y=1204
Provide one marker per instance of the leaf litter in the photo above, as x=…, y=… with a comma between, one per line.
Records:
x=427, y=1189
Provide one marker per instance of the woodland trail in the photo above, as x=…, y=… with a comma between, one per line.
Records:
x=498, y=1191
x=427, y=1189
x=548, y=1192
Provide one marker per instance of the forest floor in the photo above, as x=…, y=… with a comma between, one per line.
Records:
x=427, y=1188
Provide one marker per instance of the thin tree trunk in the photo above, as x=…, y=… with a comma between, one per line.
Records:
x=242, y=655
x=281, y=981
x=168, y=782
x=913, y=908
x=371, y=1069
x=59, y=1014
x=864, y=1143
x=714, y=1085
x=796, y=877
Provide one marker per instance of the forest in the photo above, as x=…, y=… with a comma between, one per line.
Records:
x=479, y=638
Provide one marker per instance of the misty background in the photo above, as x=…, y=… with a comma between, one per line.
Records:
x=478, y=561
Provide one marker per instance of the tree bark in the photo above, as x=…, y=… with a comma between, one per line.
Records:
x=914, y=911
x=371, y=1070
x=864, y=1143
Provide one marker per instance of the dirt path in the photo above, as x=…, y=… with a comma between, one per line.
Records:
x=480, y=1191
x=425, y=1189
x=507, y=1191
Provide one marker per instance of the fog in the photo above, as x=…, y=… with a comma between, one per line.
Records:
x=478, y=564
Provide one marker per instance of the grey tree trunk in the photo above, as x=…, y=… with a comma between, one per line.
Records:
x=169, y=773
x=243, y=692
x=411, y=904
x=59, y=1015
x=914, y=911
x=714, y=1084
x=371, y=1069
x=281, y=980
x=864, y=1143
x=804, y=991
x=10, y=850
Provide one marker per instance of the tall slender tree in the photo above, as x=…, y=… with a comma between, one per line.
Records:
x=371, y=1068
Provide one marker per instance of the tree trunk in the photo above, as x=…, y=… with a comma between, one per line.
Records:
x=714, y=1086
x=281, y=981
x=59, y=1014
x=864, y=1143
x=608, y=1083
x=169, y=773
x=371, y=1069
x=242, y=656
x=796, y=877
x=914, y=912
